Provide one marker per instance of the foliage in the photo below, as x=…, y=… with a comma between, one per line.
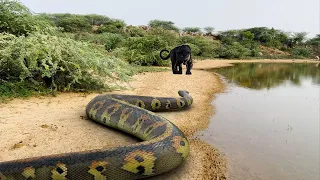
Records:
x=192, y=30
x=97, y=20
x=113, y=26
x=209, y=30
x=13, y=89
x=299, y=37
x=145, y=50
x=56, y=63
x=234, y=50
x=133, y=31
x=69, y=22
x=167, y=25
x=171, y=37
x=301, y=52
x=314, y=44
x=15, y=18
x=109, y=40
x=205, y=47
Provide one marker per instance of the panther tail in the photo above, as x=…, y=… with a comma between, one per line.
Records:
x=164, y=58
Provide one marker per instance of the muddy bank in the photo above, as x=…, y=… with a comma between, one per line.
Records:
x=51, y=125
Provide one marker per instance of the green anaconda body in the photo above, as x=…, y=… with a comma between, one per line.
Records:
x=163, y=146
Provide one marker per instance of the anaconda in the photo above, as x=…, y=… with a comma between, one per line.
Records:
x=163, y=147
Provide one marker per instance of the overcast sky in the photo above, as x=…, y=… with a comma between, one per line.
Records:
x=287, y=15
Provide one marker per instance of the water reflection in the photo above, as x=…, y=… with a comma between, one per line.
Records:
x=267, y=122
x=260, y=76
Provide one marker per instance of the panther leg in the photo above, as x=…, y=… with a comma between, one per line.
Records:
x=180, y=69
x=189, y=66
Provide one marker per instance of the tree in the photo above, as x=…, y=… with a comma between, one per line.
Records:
x=168, y=25
x=246, y=35
x=73, y=23
x=15, y=18
x=192, y=30
x=209, y=30
x=97, y=20
x=298, y=38
x=113, y=26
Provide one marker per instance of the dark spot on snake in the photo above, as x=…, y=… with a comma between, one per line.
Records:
x=139, y=158
x=59, y=170
x=140, y=105
x=104, y=119
x=182, y=143
x=99, y=168
x=181, y=103
x=141, y=169
x=157, y=104
x=169, y=105
x=96, y=107
x=110, y=110
x=148, y=130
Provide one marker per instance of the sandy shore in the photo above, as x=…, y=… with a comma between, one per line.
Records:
x=49, y=125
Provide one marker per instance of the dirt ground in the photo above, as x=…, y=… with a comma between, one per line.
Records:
x=41, y=126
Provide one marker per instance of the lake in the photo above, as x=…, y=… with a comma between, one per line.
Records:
x=267, y=121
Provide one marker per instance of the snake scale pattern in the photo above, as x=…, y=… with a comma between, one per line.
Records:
x=163, y=146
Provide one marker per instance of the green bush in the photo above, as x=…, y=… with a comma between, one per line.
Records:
x=192, y=30
x=166, y=25
x=56, y=63
x=68, y=22
x=145, y=50
x=15, y=18
x=171, y=37
x=109, y=40
x=133, y=31
x=206, y=47
x=235, y=50
x=195, y=50
x=114, y=26
x=301, y=52
x=97, y=20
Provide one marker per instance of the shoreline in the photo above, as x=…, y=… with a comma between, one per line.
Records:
x=211, y=64
x=45, y=125
x=40, y=126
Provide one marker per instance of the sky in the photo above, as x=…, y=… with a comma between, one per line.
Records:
x=286, y=15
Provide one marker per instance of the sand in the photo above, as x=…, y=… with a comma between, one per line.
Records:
x=40, y=126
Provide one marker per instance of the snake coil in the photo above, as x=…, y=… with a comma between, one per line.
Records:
x=163, y=146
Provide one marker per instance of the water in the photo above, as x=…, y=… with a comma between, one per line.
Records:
x=267, y=121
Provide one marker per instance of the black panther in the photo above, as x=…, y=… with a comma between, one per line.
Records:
x=179, y=55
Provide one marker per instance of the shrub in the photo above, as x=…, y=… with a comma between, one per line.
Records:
x=113, y=26
x=56, y=63
x=15, y=18
x=97, y=20
x=167, y=25
x=133, y=31
x=235, y=50
x=192, y=30
x=171, y=37
x=302, y=52
x=145, y=50
x=209, y=30
x=208, y=47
